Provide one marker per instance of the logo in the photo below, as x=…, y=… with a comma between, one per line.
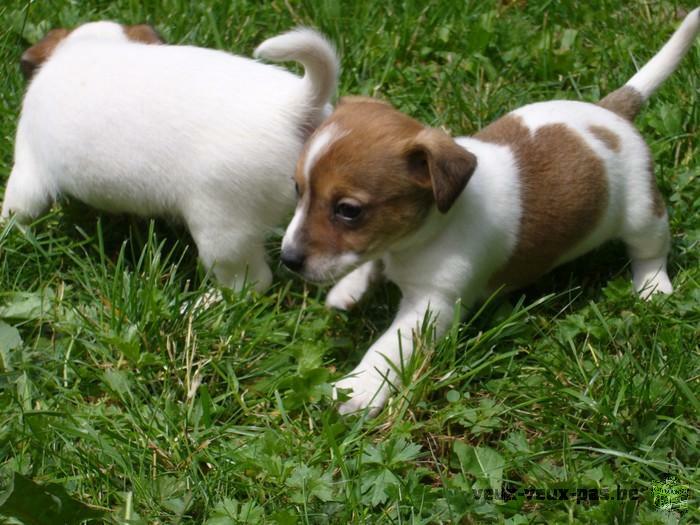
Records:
x=670, y=495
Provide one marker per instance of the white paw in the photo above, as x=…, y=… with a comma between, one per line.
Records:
x=258, y=282
x=342, y=297
x=24, y=229
x=650, y=277
x=350, y=289
x=263, y=279
x=368, y=390
x=655, y=286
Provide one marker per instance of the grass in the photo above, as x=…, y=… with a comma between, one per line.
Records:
x=224, y=415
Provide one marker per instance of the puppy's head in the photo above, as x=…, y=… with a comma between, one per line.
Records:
x=40, y=52
x=367, y=178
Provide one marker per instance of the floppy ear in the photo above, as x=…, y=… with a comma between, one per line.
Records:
x=437, y=162
x=36, y=55
x=143, y=33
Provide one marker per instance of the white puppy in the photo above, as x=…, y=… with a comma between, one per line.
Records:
x=199, y=135
x=457, y=219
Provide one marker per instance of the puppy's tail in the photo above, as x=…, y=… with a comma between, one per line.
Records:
x=314, y=52
x=628, y=100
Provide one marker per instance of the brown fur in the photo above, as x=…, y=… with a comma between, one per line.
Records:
x=36, y=55
x=625, y=101
x=372, y=167
x=143, y=33
x=607, y=137
x=564, y=193
x=308, y=128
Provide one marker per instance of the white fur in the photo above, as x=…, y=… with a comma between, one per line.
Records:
x=199, y=135
x=291, y=235
x=318, y=145
x=451, y=257
x=317, y=56
x=324, y=268
x=665, y=62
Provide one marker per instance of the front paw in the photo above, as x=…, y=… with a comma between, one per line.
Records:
x=350, y=289
x=368, y=390
x=342, y=297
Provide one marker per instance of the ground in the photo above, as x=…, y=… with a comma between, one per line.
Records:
x=224, y=415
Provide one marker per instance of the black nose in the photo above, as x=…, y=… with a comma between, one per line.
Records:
x=293, y=259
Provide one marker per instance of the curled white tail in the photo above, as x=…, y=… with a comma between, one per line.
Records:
x=314, y=52
x=660, y=67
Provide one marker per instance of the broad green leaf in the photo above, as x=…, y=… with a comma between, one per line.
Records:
x=374, y=487
x=453, y=396
x=230, y=512
x=36, y=504
x=406, y=452
x=391, y=452
x=308, y=482
x=372, y=455
x=9, y=340
x=482, y=462
x=117, y=381
x=284, y=517
x=25, y=305
x=9, y=337
x=516, y=442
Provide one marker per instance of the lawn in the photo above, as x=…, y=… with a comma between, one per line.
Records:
x=111, y=397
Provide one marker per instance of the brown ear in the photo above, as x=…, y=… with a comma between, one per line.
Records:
x=143, y=33
x=36, y=55
x=438, y=162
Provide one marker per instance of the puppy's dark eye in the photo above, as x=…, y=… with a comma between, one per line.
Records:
x=348, y=211
x=296, y=187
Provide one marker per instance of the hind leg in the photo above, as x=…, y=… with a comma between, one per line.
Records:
x=236, y=257
x=648, y=248
x=236, y=273
x=26, y=195
x=233, y=274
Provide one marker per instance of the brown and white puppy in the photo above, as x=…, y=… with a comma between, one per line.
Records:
x=458, y=218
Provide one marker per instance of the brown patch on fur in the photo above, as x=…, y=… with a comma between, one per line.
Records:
x=143, y=33
x=625, y=101
x=36, y=55
x=563, y=194
x=607, y=137
x=371, y=165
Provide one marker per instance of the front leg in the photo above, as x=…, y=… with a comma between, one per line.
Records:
x=370, y=382
x=350, y=289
